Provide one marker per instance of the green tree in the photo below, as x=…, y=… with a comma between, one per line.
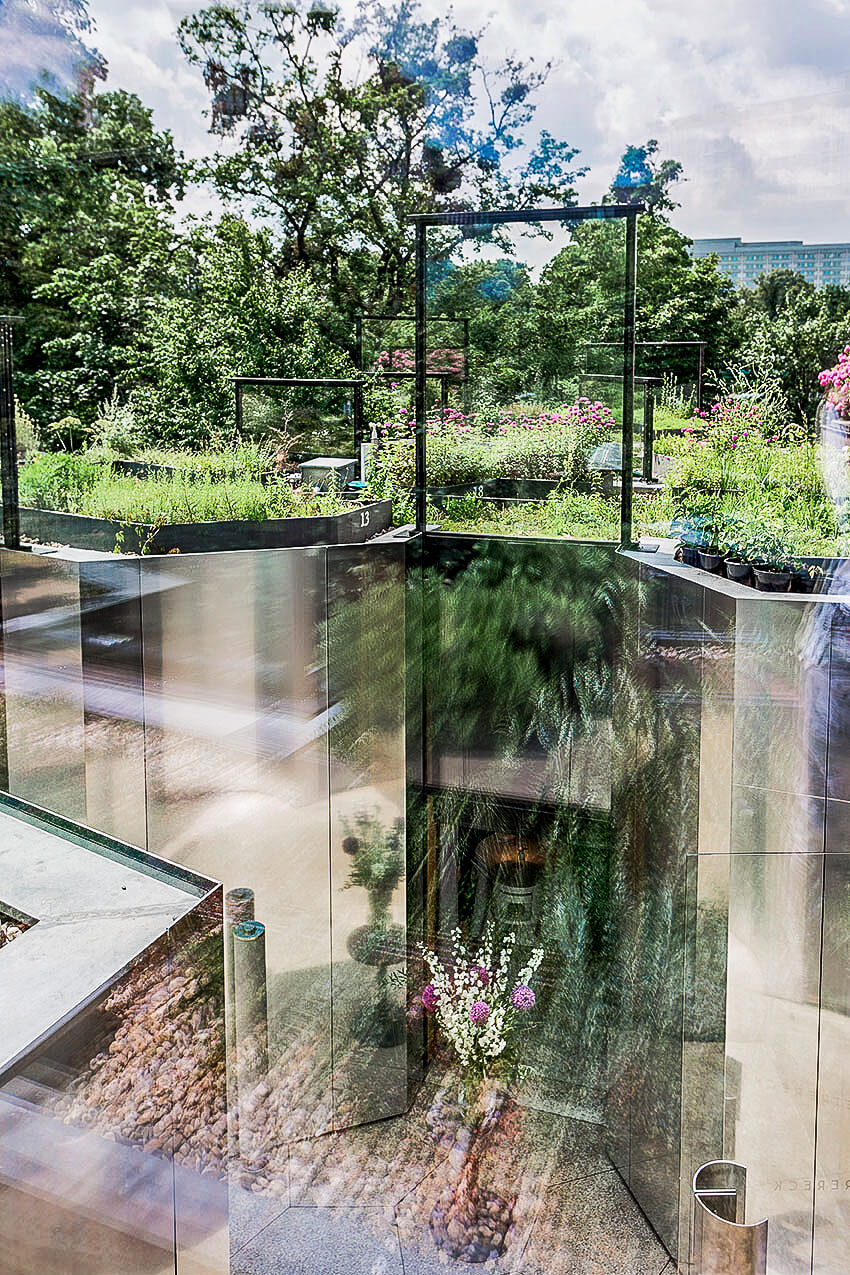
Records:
x=679, y=298
x=346, y=130
x=792, y=331
x=642, y=180
x=86, y=188
x=238, y=313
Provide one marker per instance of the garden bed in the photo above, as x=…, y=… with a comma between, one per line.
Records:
x=352, y=526
x=503, y=491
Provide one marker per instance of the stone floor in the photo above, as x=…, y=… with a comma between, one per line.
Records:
x=531, y=1193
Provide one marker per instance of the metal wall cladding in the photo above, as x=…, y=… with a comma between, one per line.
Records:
x=205, y=708
x=43, y=682
x=266, y=717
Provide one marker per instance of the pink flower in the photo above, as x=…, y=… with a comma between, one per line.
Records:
x=482, y=973
x=522, y=997
x=479, y=1013
x=430, y=996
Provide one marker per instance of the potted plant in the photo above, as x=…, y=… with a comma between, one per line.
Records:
x=700, y=535
x=768, y=552
x=735, y=543
x=377, y=866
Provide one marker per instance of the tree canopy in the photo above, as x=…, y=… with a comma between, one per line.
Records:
x=346, y=129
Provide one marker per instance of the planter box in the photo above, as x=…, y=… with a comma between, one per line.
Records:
x=353, y=526
x=513, y=491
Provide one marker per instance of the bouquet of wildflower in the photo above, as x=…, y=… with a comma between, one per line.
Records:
x=836, y=382
x=479, y=1004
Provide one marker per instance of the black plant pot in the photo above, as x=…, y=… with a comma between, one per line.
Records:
x=711, y=560
x=690, y=556
x=740, y=572
x=802, y=582
x=772, y=581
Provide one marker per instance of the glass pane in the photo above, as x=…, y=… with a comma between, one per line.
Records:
x=535, y=447
x=299, y=422
x=45, y=727
x=368, y=913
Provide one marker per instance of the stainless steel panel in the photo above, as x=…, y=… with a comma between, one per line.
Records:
x=86, y=1178
x=772, y=1042
x=199, y=1091
x=366, y=648
x=723, y=1241
x=43, y=681
x=237, y=781
x=832, y=1169
x=781, y=696
x=113, y=701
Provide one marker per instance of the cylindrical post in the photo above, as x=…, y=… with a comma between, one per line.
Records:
x=8, y=441
x=238, y=408
x=251, y=1006
x=238, y=906
x=648, y=431
x=421, y=369
x=627, y=450
x=722, y=1243
x=700, y=371
x=358, y=342
x=444, y=395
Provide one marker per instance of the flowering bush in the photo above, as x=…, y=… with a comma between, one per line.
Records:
x=553, y=443
x=478, y=1003
x=836, y=381
x=450, y=362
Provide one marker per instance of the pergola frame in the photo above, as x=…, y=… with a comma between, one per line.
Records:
x=481, y=219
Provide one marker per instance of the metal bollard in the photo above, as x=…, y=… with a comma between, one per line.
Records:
x=721, y=1242
x=251, y=1016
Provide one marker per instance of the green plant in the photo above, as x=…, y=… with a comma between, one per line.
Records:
x=377, y=862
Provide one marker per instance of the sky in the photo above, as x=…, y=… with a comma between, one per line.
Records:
x=753, y=96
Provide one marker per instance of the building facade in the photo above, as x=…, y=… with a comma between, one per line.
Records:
x=820, y=263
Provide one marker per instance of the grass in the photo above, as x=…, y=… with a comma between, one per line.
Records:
x=74, y=483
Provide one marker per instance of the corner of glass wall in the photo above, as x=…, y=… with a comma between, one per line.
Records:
x=112, y=1106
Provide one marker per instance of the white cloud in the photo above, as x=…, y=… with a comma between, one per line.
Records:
x=751, y=95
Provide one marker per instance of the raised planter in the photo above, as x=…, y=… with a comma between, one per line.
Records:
x=511, y=491
x=352, y=526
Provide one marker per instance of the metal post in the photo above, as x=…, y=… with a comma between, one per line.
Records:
x=466, y=367
x=421, y=502
x=238, y=408
x=358, y=342
x=8, y=440
x=251, y=1016
x=358, y=418
x=700, y=370
x=444, y=395
x=627, y=453
x=648, y=431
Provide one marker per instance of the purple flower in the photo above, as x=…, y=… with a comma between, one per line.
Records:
x=430, y=996
x=522, y=997
x=483, y=975
x=480, y=1012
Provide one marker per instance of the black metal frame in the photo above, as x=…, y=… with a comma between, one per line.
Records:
x=379, y=316
x=8, y=437
x=305, y=382
x=640, y=345
x=648, y=432
x=483, y=219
